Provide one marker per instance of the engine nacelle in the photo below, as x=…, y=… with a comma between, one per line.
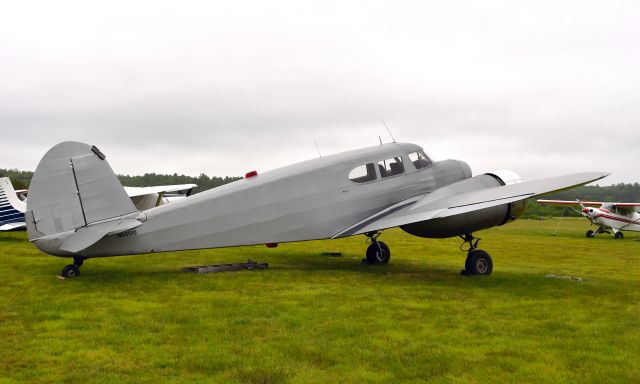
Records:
x=471, y=221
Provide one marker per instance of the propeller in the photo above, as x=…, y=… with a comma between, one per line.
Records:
x=585, y=211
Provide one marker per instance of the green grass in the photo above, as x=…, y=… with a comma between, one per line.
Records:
x=317, y=319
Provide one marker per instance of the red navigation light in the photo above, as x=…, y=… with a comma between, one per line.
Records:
x=251, y=174
x=272, y=245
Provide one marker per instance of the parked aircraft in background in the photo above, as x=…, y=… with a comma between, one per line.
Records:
x=13, y=202
x=78, y=209
x=149, y=197
x=12, y=207
x=607, y=216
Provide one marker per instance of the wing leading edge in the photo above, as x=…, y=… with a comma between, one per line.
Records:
x=629, y=207
x=431, y=206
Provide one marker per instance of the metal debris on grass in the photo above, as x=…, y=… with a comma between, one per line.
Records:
x=250, y=265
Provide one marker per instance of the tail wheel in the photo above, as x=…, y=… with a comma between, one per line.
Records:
x=478, y=263
x=378, y=253
x=590, y=234
x=618, y=235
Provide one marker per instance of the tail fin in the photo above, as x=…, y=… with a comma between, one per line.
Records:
x=11, y=208
x=75, y=199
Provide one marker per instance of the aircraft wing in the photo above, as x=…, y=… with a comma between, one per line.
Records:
x=140, y=191
x=570, y=202
x=422, y=207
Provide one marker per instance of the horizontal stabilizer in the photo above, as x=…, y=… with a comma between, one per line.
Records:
x=140, y=191
x=426, y=207
x=87, y=236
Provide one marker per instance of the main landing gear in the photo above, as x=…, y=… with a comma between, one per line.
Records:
x=72, y=270
x=377, y=252
x=478, y=261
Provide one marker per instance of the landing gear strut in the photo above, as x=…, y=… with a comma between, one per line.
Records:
x=377, y=252
x=72, y=270
x=478, y=261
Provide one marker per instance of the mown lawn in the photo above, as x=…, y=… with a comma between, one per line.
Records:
x=316, y=319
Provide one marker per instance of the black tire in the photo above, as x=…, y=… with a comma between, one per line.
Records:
x=618, y=235
x=70, y=271
x=590, y=234
x=478, y=263
x=378, y=253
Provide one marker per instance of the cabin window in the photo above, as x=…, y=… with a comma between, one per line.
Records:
x=391, y=167
x=363, y=173
x=420, y=160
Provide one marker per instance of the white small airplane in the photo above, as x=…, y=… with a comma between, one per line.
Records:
x=13, y=203
x=77, y=208
x=607, y=216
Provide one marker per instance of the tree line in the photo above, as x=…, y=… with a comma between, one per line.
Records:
x=22, y=179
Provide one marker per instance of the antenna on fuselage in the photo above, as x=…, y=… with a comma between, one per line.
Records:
x=385, y=125
x=317, y=148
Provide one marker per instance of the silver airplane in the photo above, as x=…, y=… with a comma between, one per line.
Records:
x=78, y=209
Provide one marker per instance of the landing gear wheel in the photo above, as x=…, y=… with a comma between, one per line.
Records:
x=590, y=234
x=378, y=253
x=478, y=263
x=618, y=235
x=71, y=270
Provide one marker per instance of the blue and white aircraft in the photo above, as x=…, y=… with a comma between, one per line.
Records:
x=12, y=208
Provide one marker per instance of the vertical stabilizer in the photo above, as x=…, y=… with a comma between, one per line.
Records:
x=73, y=187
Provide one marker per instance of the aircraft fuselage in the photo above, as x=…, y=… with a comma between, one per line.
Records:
x=311, y=200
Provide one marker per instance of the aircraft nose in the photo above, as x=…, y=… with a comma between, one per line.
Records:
x=585, y=210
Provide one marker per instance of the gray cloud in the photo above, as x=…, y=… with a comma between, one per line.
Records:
x=539, y=87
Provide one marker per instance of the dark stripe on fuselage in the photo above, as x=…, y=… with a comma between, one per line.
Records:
x=7, y=208
x=14, y=220
x=4, y=216
x=618, y=219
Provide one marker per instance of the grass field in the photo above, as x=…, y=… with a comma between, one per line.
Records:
x=317, y=319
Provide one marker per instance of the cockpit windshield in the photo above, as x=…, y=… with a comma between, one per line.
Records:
x=420, y=159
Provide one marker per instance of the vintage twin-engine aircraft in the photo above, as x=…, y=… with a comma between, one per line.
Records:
x=607, y=216
x=77, y=207
x=13, y=203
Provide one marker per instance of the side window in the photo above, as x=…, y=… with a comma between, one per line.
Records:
x=363, y=173
x=420, y=160
x=391, y=167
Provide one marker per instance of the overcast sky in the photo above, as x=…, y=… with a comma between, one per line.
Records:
x=541, y=87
